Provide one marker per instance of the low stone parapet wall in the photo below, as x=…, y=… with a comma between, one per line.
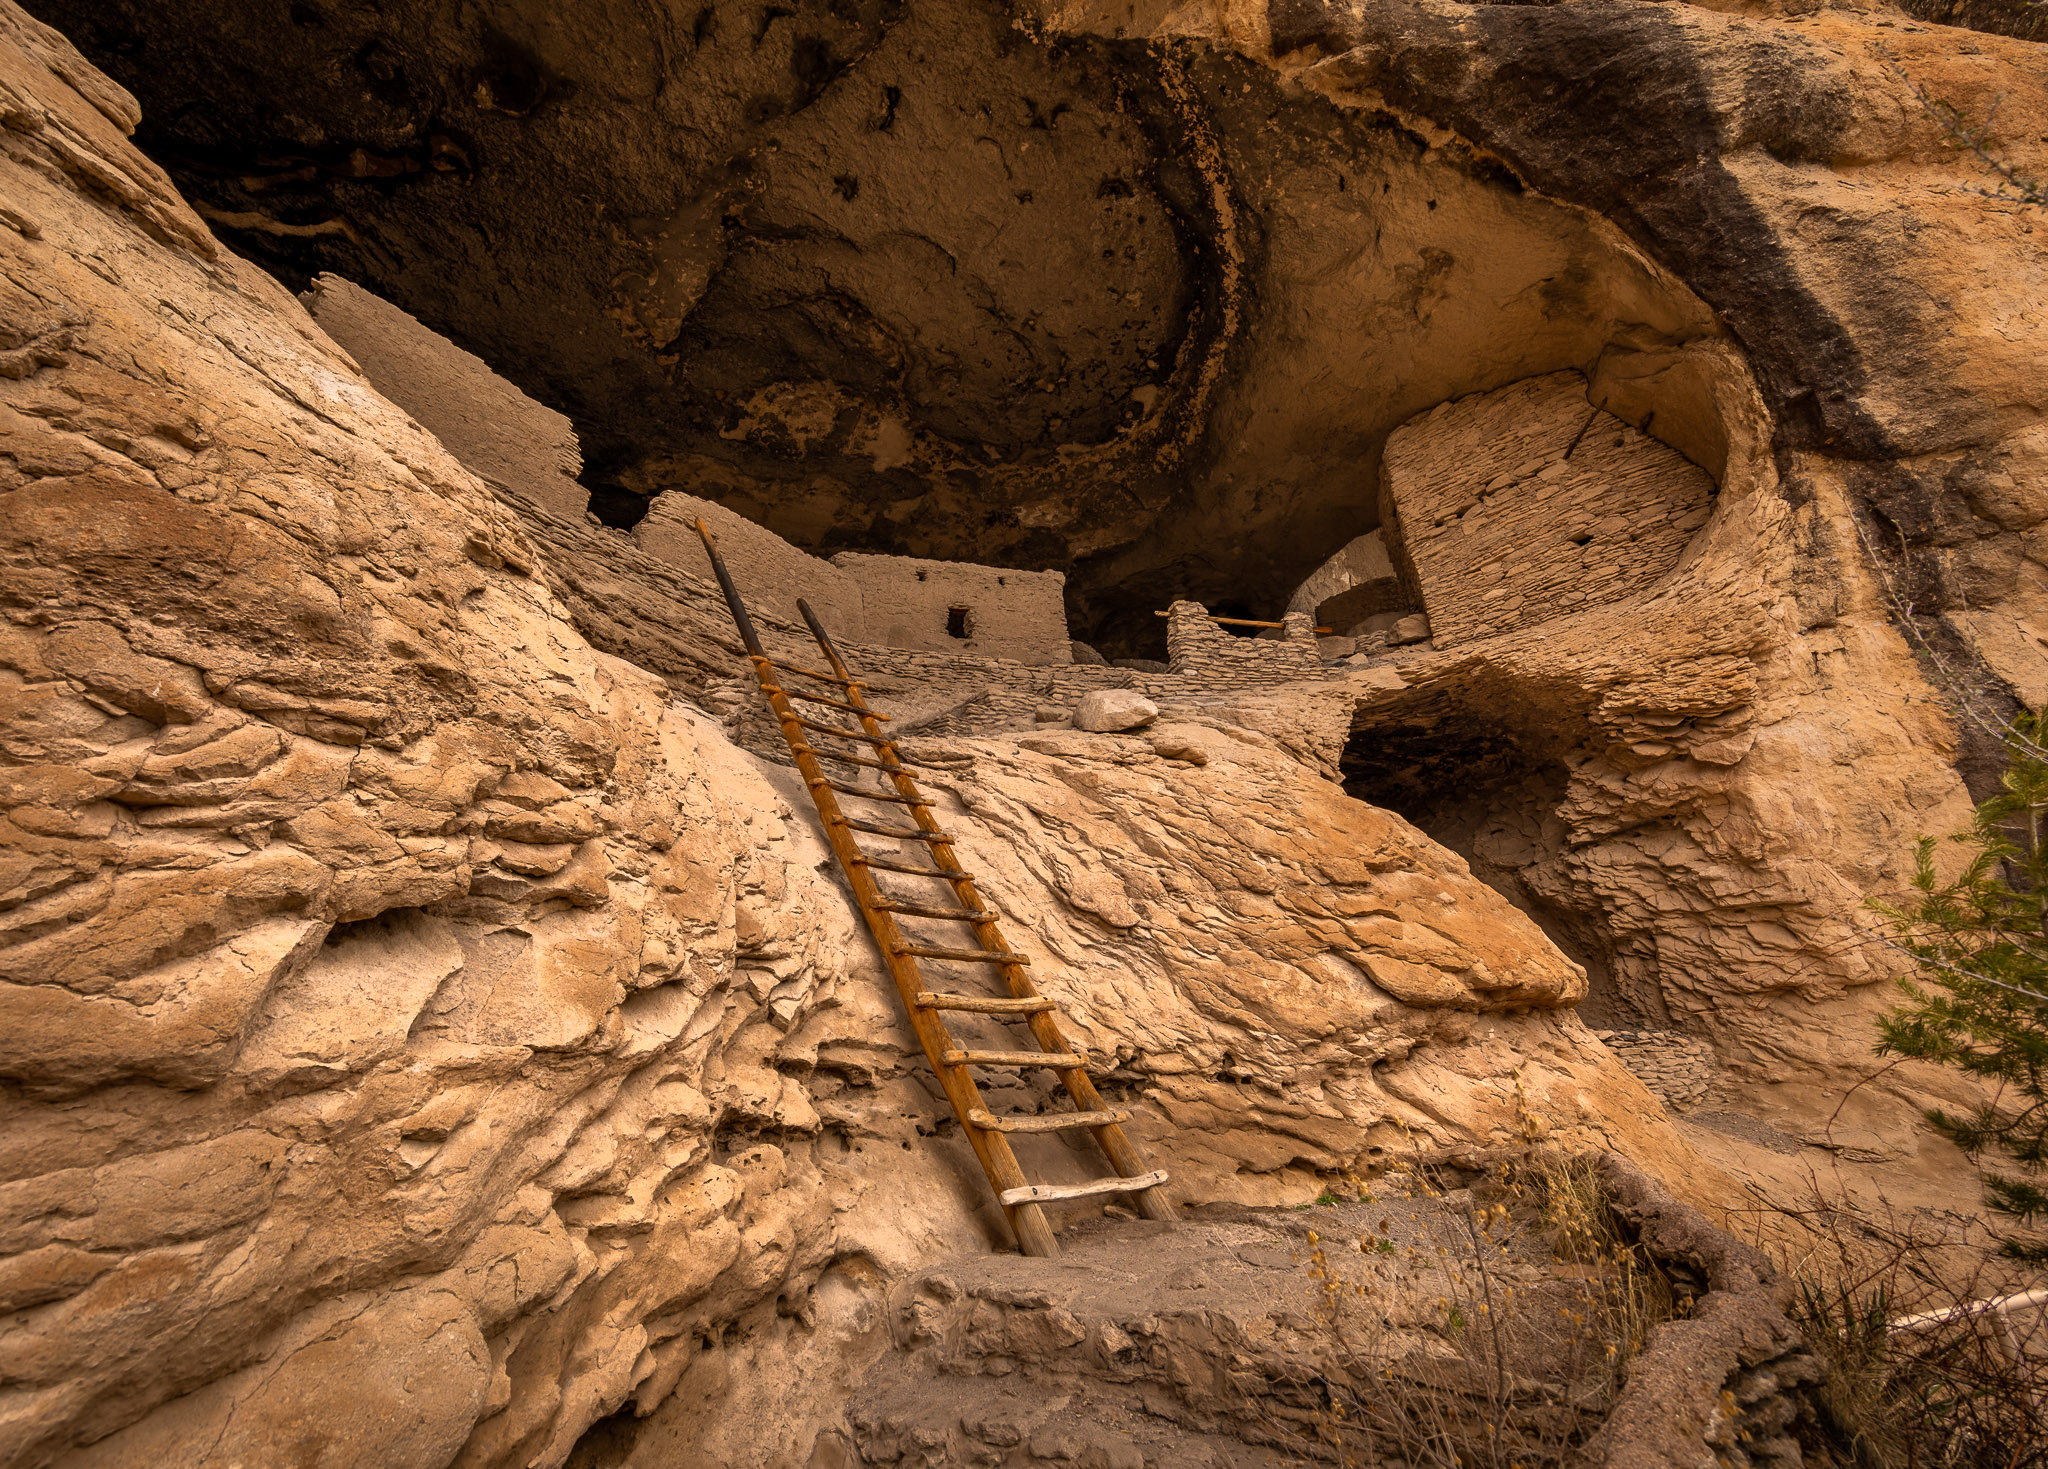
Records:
x=1196, y=647
x=674, y=622
x=1677, y=1067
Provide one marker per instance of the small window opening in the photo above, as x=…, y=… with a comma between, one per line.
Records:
x=1002, y=581
x=959, y=623
x=921, y=575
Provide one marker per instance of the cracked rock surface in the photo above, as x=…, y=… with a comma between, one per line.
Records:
x=426, y=1038
x=430, y=1039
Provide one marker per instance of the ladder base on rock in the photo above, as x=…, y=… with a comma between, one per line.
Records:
x=951, y=1061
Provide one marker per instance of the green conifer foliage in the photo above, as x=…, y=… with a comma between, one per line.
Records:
x=1979, y=999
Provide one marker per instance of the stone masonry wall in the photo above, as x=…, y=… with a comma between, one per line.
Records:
x=673, y=621
x=498, y=433
x=1526, y=503
x=1197, y=648
x=959, y=607
x=768, y=570
x=942, y=695
x=1016, y=665
x=511, y=441
x=1678, y=1067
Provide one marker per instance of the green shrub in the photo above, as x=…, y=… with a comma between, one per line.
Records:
x=1978, y=1001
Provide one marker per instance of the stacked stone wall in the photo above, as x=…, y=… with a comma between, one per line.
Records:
x=1513, y=507
x=959, y=607
x=1679, y=1068
x=500, y=435
x=1199, y=649
x=768, y=570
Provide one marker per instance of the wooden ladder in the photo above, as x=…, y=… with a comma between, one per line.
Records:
x=952, y=1062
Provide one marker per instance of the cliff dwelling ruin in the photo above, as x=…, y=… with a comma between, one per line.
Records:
x=969, y=732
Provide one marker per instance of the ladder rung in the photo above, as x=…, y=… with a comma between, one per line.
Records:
x=902, y=833
x=936, y=910
x=882, y=865
x=1050, y=1122
x=835, y=704
x=1041, y=1193
x=987, y=1004
x=841, y=733
x=844, y=683
x=901, y=764
x=986, y=1129
x=1057, y=1060
x=875, y=795
x=966, y=956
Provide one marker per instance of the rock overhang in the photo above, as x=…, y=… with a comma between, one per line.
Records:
x=933, y=279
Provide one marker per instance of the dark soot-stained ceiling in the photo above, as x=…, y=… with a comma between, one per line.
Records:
x=888, y=274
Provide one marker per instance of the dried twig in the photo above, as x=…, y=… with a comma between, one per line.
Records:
x=1975, y=139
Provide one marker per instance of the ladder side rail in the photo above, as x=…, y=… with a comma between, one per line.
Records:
x=1123, y=1154
x=998, y=1159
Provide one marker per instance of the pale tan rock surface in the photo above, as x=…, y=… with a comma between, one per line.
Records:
x=497, y=432
x=401, y=994
x=1113, y=710
x=426, y=1036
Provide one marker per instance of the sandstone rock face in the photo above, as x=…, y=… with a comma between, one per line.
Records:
x=346, y=900
x=426, y=1037
x=497, y=432
x=399, y=990
x=1219, y=1345
x=1108, y=710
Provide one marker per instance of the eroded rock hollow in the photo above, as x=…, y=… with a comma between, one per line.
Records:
x=433, y=1029
x=943, y=279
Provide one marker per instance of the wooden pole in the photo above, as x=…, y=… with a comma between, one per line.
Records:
x=1034, y=1234
x=1129, y=1162
x=1248, y=622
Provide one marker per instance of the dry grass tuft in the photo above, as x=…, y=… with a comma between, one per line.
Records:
x=1966, y=1392
x=1544, y=1302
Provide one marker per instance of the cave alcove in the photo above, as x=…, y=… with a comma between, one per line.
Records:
x=899, y=276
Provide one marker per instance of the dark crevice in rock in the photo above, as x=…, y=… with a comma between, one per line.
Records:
x=617, y=507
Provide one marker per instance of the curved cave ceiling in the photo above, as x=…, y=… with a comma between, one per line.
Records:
x=895, y=274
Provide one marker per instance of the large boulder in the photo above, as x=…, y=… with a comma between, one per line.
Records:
x=1108, y=711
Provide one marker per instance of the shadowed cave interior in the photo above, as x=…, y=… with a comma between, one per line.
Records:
x=899, y=279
